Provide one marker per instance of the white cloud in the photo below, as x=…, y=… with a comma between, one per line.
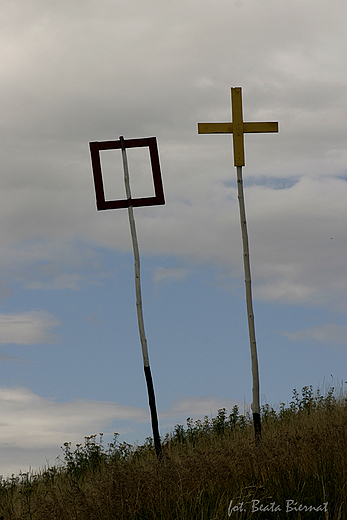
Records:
x=328, y=334
x=34, y=428
x=12, y=359
x=64, y=281
x=30, y=421
x=298, y=241
x=27, y=328
x=167, y=275
x=55, y=106
x=198, y=407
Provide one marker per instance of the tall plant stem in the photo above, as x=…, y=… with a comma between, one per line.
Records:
x=147, y=369
x=251, y=327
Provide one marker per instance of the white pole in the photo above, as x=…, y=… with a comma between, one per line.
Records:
x=142, y=333
x=251, y=327
x=137, y=263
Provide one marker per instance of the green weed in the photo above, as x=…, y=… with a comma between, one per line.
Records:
x=210, y=469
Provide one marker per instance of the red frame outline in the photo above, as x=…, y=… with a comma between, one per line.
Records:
x=103, y=204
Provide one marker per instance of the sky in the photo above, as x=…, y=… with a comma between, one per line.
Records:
x=81, y=71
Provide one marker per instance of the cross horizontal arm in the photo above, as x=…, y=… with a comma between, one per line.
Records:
x=237, y=127
x=227, y=128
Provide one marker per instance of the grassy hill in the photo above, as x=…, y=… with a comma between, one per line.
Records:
x=210, y=469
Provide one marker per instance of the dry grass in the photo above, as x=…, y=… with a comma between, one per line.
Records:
x=302, y=457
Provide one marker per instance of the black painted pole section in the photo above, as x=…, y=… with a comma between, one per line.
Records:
x=257, y=427
x=153, y=409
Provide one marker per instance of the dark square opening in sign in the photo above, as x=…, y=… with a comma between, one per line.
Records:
x=101, y=203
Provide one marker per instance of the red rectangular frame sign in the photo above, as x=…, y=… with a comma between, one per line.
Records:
x=101, y=203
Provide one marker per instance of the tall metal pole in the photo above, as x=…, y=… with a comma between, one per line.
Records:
x=147, y=369
x=251, y=327
x=238, y=127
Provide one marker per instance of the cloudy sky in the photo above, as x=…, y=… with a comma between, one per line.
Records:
x=79, y=71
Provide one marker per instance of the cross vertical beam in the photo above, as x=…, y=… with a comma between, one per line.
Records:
x=236, y=108
x=238, y=127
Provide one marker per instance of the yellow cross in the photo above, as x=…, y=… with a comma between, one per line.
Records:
x=237, y=127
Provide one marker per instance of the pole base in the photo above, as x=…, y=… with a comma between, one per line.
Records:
x=154, y=417
x=257, y=427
